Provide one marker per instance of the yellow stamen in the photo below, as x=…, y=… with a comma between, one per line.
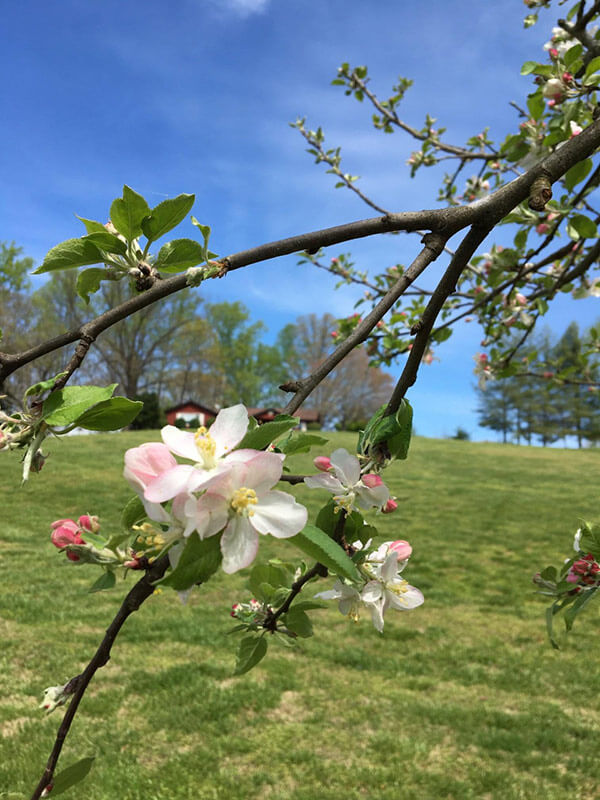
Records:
x=242, y=498
x=206, y=445
x=398, y=588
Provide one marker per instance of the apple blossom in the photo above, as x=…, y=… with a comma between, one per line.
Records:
x=242, y=503
x=322, y=463
x=211, y=452
x=66, y=532
x=54, y=696
x=390, y=506
x=346, y=483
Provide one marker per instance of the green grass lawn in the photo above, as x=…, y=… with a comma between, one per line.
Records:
x=461, y=698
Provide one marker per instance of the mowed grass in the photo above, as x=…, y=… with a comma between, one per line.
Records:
x=462, y=698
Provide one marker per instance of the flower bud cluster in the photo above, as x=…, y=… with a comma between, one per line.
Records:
x=585, y=573
x=252, y=612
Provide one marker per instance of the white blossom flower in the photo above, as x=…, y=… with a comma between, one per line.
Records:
x=347, y=485
x=242, y=503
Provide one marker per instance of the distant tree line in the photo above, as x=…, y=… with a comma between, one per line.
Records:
x=182, y=349
x=554, y=393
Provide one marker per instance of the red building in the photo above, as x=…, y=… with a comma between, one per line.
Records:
x=188, y=411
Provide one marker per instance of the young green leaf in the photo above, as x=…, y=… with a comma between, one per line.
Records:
x=41, y=386
x=106, y=581
x=133, y=513
x=110, y=415
x=88, y=282
x=577, y=173
x=263, y=435
x=71, y=775
x=108, y=242
x=252, y=650
x=581, y=227
x=298, y=442
x=127, y=213
x=66, y=405
x=317, y=544
x=178, y=255
x=299, y=622
x=166, y=215
x=70, y=254
x=199, y=560
x=91, y=225
x=269, y=574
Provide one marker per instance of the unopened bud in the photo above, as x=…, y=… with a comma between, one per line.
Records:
x=371, y=480
x=389, y=507
x=322, y=463
x=402, y=549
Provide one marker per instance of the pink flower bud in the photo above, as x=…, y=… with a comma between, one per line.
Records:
x=548, y=374
x=89, y=523
x=334, y=334
x=521, y=299
x=389, y=507
x=371, y=480
x=542, y=228
x=567, y=77
x=482, y=358
x=401, y=548
x=64, y=533
x=323, y=463
x=553, y=52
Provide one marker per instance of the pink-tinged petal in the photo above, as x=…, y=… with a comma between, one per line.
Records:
x=367, y=498
x=239, y=544
x=242, y=455
x=263, y=472
x=146, y=462
x=324, y=481
x=229, y=428
x=278, y=513
x=65, y=523
x=172, y=482
x=412, y=598
x=155, y=511
x=207, y=515
x=371, y=480
x=346, y=466
x=182, y=443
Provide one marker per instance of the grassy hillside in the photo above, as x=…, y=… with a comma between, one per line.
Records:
x=461, y=698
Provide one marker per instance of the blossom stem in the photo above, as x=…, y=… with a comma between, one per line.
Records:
x=142, y=590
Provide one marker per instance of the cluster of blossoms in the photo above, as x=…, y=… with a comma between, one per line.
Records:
x=475, y=187
x=350, y=489
x=585, y=573
x=515, y=305
x=483, y=369
x=383, y=587
x=223, y=491
x=252, y=612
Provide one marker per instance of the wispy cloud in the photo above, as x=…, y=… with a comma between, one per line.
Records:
x=243, y=7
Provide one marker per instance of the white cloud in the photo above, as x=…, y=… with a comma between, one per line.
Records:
x=243, y=7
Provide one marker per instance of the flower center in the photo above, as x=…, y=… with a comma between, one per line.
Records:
x=398, y=588
x=207, y=447
x=345, y=501
x=242, y=499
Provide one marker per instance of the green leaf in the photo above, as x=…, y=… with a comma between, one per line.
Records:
x=110, y=415
x=308, y=605
x=69, y=254
x=528, y=67
x=317, y=544
x=577, y=173
x=252, y=650
x=66, y=405
x=580, y=603
x=91, y=225
x=536, y=105
x=205, y=231
x=269, y=575
x=300, y=443
x=106, y=581
x=328, y=517
x=88, y=282
x=71, y=775
x=166, y=215
x=41, y=386
x=133, y=513
x=127, y=213
x=299, y=622
x=263, y=435
x=179, y=254
x=108, y=242
x=199, y=560
x=593, y=66
x=394, y=431
x=572, y=54
x=581, y=227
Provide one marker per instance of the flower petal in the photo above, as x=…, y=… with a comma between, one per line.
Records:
x=239, y=544
x=172, y=482
x=182, y=443
x=146, y=462
x=229, y=428
x=372, y=592
x=412, y=598
x=279, y=514
x=346, y=466
x=264, y=470
x=377, y=496
x=324, y=481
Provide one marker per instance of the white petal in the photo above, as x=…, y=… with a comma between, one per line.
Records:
x=324, y=481
x=378, y=496
x=155, y=511
x=172, y=482
x=372, y=593
x=279, y=514
x=263, y=472
x=346, y=466
x=389, y=568
x=229, y=428
x=412, y=598
x=330, y=594
x=181, y=443
x=376, y=610
x=239, y=544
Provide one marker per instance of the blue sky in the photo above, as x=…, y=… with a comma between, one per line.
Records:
x=196, y=96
